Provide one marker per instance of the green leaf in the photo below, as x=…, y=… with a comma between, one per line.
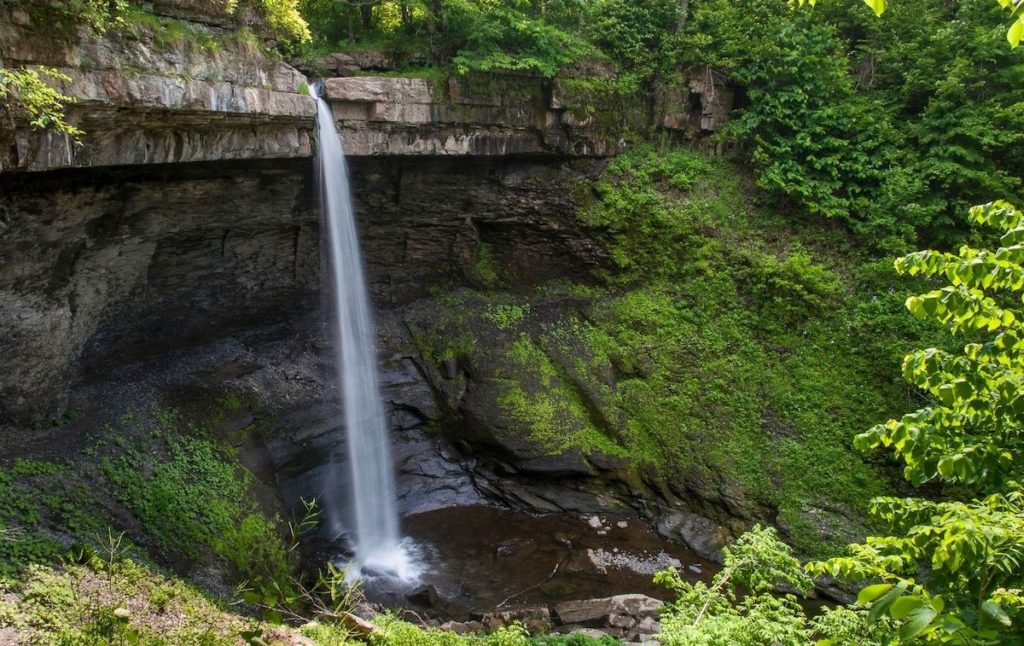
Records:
x=886, y=600
x=904, y=606
x=917, y=621
x=1015, y=33
x=947, y=394
x=994, y=612
x=877, y=5
x=872, y=592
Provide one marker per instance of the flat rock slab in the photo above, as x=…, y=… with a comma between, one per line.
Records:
x=588, y=610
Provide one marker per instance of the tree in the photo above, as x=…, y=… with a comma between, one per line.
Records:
x=951, y=570
x=1014, y=34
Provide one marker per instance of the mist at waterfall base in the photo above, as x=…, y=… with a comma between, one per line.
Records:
x=379, y=548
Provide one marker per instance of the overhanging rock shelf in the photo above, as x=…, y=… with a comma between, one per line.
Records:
x=143, y=101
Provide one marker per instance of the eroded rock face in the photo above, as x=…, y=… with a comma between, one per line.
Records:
x=209, y=95
x=111, y=265
x=105, y=271
x=176, y=285
x=507, y=114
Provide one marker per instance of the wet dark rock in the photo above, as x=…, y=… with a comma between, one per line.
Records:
x=424, y=596
x=567, y=463
x=703, y=536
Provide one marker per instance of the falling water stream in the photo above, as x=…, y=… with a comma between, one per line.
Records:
x=379, y=549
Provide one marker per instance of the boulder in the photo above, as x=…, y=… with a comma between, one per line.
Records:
x=622, y=621
x=599, y=610
x=424, y=596
x=537, y=620
x=700, y=534
x=648, y=626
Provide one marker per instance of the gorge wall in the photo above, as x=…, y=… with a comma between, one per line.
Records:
x=173, y=261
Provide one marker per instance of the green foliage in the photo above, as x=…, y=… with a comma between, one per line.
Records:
x=951, y=569
x=640, y=36
x=814, y=140
x=190, y=498
x=108, y=598
x=484, y=270
x=98, y=15
x=894, y=125
x=34, y=498
x=577, y=639
x=507, y=36
x=539, y=398
x=743, y=604
x=718, y=352
x=395, y=632
x=283, y=17
x=472, y=35
x=1014, y=34
x=506, y=317
x=44, y=105
x=705, y=615
x=192, y=502
x=972, y=433
x=646, y=209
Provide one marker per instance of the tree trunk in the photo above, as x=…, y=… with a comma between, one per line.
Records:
x=406, y=18
x=367, y=12
x=684, y=14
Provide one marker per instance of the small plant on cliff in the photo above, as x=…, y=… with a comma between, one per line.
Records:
x=43, y=104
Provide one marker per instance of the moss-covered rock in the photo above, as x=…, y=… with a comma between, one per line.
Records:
x=726, y=355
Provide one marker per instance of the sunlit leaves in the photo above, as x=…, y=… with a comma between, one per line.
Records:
x=878, y=6
x=1016, y=8
x=708, y=615
x=44, y=104
x=1016, y=31
x=974, y=431
x=971, y=434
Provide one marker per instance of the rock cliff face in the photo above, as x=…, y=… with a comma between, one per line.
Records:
x=195, y=286
x=174, y=260
x=156, y=92
x=134, y=261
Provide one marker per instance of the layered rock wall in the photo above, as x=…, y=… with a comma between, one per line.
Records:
x=127, y=274
x=136, y=262
x=505, y=114
x=155, y=92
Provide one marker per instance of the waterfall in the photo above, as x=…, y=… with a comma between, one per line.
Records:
x=378, y=546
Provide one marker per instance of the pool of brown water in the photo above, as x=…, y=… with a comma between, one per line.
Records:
x=482, y=559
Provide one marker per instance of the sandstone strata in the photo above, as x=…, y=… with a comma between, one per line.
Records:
x=209, y=94
x=498, y=114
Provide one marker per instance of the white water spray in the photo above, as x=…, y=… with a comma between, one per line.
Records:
x=379, y=548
